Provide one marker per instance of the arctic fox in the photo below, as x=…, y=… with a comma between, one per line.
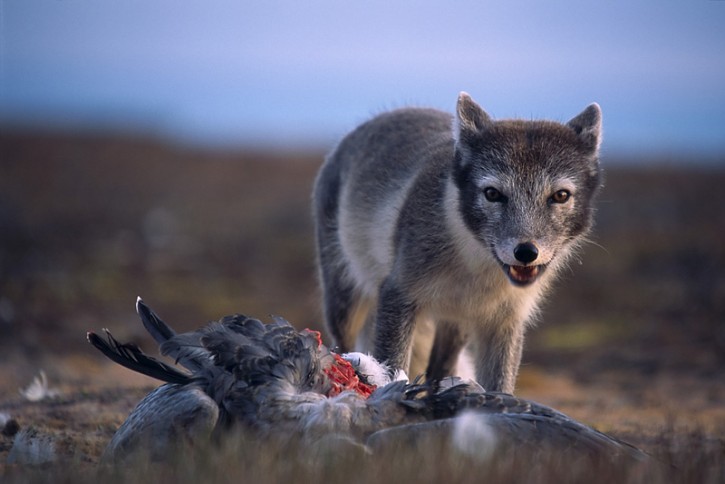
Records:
x=450, y=229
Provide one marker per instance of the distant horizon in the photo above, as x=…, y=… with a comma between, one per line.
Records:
x=284, y=74
x=305, y=147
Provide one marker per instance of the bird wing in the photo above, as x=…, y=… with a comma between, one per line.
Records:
x=159, y=330
x=483, y=435
x=163, y=422
x=131, y=356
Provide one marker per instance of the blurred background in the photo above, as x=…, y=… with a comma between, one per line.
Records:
x=285, y=73
x=167, y=149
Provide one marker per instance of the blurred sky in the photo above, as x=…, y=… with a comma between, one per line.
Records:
x=289, y=71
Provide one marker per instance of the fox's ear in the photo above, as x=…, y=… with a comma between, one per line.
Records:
x=470, y=118
x=588, y=126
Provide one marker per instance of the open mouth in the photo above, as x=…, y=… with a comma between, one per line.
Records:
x=523, y=275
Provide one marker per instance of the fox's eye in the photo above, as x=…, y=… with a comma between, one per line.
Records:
x=561, y=196
x=493, y=195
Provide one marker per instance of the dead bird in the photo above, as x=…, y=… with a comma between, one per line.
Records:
x=280, y=383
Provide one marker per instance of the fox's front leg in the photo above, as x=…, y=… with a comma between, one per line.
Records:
x=395, y=320
x=498, y=355
x=447, y=345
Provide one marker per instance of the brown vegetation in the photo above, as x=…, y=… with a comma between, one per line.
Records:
x=631, y=342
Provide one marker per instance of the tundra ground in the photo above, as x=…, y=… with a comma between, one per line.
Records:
x=632, y=340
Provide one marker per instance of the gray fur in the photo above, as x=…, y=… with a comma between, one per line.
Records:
x=407, y=235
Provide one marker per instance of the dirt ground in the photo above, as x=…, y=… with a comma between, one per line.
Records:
x=632, y=340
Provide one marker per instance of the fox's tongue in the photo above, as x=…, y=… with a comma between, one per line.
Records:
x=523, y=273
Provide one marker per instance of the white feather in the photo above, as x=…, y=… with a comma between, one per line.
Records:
x=375, y=373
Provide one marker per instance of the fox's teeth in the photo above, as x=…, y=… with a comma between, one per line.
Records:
x=524, y=272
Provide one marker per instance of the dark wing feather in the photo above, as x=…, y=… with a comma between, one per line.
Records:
x=131, y=356
x=224, y=340
x=154, y=325
x=213, y=344
x=187, y=350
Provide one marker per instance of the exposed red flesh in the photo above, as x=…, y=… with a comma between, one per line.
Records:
x=342, y=374
x=343, y=378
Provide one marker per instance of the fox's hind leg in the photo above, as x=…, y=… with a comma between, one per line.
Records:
x=343, y=310
x=447, y=345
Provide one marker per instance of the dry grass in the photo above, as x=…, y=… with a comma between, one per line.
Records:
x=678, y=458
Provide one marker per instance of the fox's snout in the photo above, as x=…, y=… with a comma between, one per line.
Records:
x=523, y=252
x=521, y=269
x=526, y=252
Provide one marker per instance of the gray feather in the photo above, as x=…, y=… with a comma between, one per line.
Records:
x=274, y=381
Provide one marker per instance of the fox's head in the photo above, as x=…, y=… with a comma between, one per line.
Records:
x=526, y=188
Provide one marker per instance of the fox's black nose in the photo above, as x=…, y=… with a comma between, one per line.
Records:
x=526, y=252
